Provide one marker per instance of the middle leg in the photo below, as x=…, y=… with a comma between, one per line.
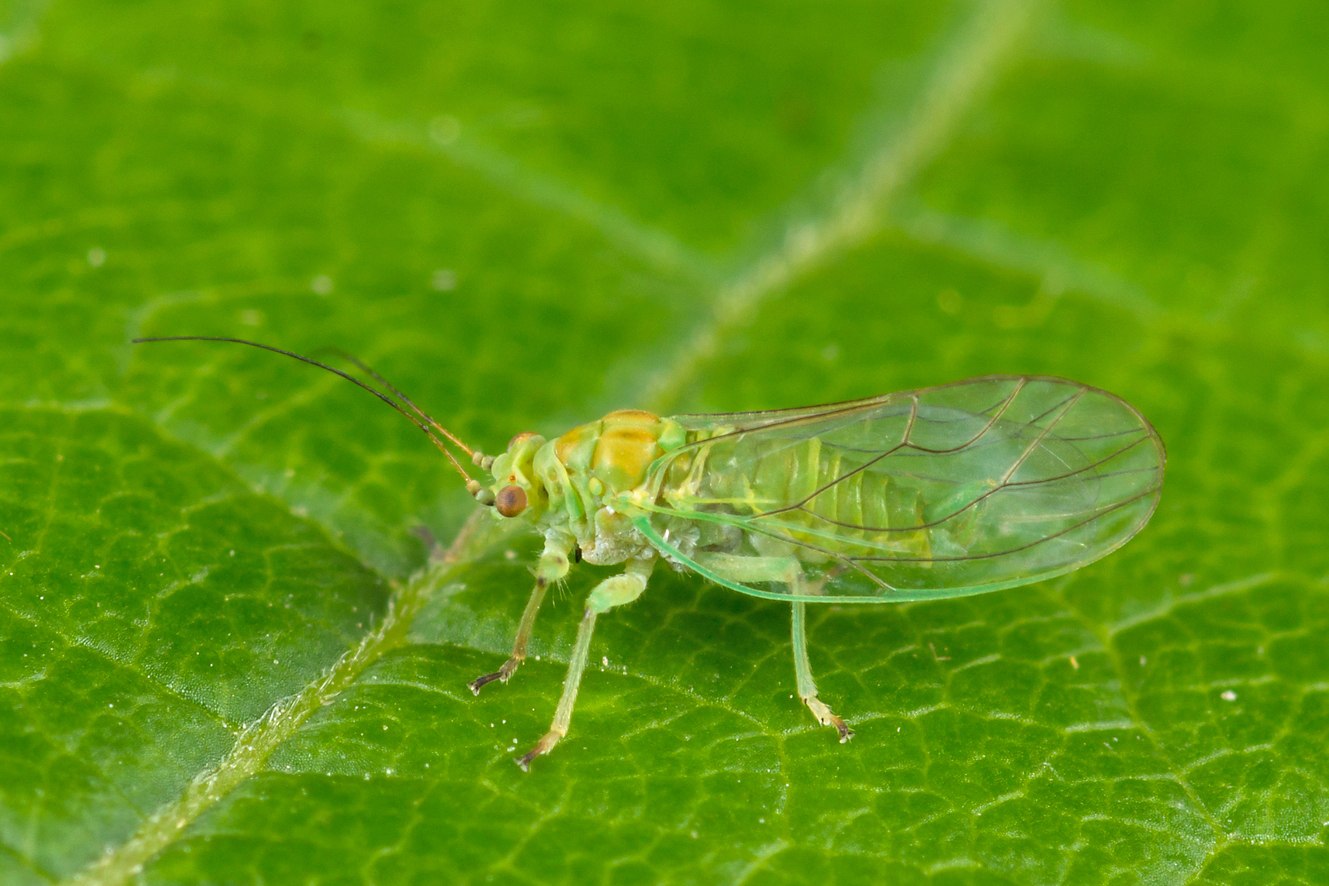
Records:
x=613, y=591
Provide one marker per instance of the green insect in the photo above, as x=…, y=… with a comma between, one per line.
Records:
x=940, y=492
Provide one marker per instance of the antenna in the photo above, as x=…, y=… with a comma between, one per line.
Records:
x=424, y=422
x=369, y=371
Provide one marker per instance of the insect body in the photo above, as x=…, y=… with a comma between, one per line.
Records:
x=940, y=492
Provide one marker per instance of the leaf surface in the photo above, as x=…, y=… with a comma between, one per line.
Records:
x=229, y=654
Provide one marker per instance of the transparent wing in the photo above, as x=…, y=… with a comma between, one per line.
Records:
x=945, y=491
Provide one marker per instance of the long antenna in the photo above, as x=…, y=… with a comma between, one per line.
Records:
x=424, y=422
x=369, y=371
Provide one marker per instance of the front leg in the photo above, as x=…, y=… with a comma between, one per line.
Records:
x=613, y=591
x=552, y=565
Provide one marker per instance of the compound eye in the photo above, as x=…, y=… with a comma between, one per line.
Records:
x=511, y=501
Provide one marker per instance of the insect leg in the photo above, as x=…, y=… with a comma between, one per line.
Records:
x=786, y=569
x=613, y=591
x=807, y=688
x=552, y=565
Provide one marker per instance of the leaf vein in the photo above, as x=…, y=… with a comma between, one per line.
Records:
x=967, y=67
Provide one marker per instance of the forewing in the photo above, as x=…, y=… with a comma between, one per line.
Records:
x=750, y=421
x=945, y=491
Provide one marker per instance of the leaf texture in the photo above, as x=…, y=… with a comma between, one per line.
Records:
x=232, y=648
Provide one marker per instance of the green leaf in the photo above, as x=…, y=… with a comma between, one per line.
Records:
x=228, y=653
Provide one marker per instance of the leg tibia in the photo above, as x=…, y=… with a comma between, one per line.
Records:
x=552, y=565
x=613, y=591
x=563, y=715
x=519, y=644
x=807, y=688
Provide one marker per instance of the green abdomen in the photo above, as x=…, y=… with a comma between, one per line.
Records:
x=824, y=496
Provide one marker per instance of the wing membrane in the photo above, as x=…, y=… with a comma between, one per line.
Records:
x=945, y=491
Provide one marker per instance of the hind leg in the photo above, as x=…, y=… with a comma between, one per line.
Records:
x=787, y=569
x=807, y=687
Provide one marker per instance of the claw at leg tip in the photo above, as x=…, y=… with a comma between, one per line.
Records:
x=480, y=682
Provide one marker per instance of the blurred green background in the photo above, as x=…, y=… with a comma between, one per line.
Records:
x=224, y=654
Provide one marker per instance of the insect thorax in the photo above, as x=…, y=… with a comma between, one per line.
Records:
x=593, y=465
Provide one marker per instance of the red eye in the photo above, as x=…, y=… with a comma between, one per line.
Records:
x=511, y=501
